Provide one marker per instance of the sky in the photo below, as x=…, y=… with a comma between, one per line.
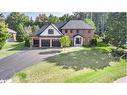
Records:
x=34, y=14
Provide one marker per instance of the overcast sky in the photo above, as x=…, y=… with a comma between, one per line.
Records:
x=34, y=14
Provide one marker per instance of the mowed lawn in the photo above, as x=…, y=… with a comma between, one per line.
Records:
x=76, y=64
x=11, y=48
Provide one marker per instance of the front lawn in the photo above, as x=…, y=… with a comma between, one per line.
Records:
x=106, y=75
x=11, y=48
x=75, y=65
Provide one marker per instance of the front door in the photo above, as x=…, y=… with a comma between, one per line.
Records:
x=78, y=41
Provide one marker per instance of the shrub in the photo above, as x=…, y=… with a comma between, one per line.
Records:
x=27, y=41
x=93, y=42
x=22, y=76
x=106, y=40
x=65, y=41
x=117, y=52
x=123, y=46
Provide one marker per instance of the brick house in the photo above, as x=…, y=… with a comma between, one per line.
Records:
x=49, y=35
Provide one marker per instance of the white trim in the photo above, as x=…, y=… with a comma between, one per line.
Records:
x=56, y=31
x=78, y=36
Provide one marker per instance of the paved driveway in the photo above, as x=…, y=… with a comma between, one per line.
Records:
x=121, y=80
x=16, y=62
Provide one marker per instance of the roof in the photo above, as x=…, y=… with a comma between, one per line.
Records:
x=40, y=30
x=57, y=25
x=76, y=24
x=11, y=31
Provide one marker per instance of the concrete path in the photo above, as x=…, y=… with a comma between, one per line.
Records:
x=121, y=80
x=16, y=62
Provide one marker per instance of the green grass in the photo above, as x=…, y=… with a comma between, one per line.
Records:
x=106, y=75
x=75, y=65
x=11, y=48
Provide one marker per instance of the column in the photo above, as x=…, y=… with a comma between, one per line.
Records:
x=50, y=42
x=39, y=42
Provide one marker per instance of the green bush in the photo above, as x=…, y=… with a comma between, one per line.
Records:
x=65, y=41
x=106, y=40
x=123, y=46
x=117, y=52
x=22, y=76
x=93, y=42
x=27, y=40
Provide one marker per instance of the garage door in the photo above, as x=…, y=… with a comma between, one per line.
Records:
x=35, y=43
x=45, y=43
x=55, y=43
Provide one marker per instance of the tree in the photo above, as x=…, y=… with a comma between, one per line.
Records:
x=116, y=28
x=66, y=17
x=65, y=41
x=90, y=22
x=2, y=17
x=53, y=19
x=3, y=33
x=16, y=18
x=20, y=33
x=41, y=19
x=35, y=28
x=27, y=40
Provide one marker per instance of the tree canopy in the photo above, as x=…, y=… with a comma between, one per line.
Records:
x=16, y=18
x=3, y=33
x=116, y=28
x=90, y=22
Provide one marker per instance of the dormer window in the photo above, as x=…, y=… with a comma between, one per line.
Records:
x=50, y=31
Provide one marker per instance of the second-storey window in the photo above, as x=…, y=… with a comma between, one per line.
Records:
x=77, y=31
x=65, y=31
x=50, y=31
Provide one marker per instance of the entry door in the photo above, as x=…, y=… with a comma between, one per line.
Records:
x=78, y=40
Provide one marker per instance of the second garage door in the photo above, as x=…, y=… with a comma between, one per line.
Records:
x=45, y=43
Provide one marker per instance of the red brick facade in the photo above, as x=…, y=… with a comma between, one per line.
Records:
x=86, y=34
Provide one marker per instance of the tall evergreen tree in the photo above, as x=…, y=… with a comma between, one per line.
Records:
x=116, y=28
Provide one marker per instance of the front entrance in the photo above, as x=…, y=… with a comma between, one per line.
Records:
x=78, y=40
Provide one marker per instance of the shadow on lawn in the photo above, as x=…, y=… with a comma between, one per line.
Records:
x=93, y=59
x=18, y=46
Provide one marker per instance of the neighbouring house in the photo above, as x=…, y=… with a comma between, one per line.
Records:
x=49, y=35
x=13, y=35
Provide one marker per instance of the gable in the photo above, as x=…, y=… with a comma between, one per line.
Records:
x=51, y=26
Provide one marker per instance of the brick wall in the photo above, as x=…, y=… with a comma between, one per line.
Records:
x=86, y=34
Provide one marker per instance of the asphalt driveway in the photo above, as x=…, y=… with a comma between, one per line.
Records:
x=16, y=62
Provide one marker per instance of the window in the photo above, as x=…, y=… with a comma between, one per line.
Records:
x=70, y=31
x=65, y=31
x=77, y=31
x=89, y=31
x=50, y=31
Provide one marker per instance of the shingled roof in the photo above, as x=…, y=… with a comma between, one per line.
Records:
x=76, y=24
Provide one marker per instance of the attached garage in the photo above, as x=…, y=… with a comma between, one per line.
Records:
x=56, y=43
x=45, y=43
x=35, y=43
